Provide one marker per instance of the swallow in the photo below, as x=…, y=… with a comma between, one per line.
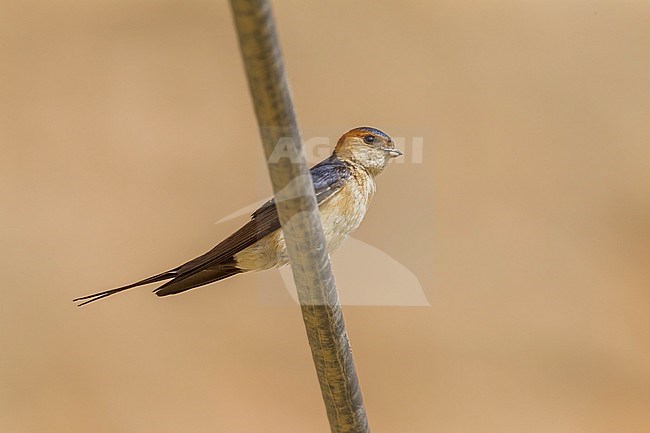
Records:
x=344, y=185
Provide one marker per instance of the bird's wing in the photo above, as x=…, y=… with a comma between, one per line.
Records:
x=328, y=177
x=218, y=263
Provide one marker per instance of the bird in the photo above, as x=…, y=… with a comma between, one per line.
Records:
x=344, y=186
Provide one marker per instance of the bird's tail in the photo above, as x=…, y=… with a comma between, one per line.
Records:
x=195, y=279
x=167, y=275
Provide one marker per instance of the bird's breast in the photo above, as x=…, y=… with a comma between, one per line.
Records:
x=340, y=215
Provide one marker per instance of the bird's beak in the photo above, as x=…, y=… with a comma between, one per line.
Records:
x=394, y=152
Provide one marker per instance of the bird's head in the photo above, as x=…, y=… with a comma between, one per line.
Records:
x=367, y=147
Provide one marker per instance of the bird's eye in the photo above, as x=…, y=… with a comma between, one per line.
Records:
x=368, y=139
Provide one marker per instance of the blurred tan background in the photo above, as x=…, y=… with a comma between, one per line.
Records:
x=127, y=131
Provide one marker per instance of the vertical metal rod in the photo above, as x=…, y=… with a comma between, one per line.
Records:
x=298, y=212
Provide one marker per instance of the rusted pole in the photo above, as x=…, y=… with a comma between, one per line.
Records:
x=298, y=212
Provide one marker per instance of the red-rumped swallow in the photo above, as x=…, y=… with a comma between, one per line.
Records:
x=344, y=185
